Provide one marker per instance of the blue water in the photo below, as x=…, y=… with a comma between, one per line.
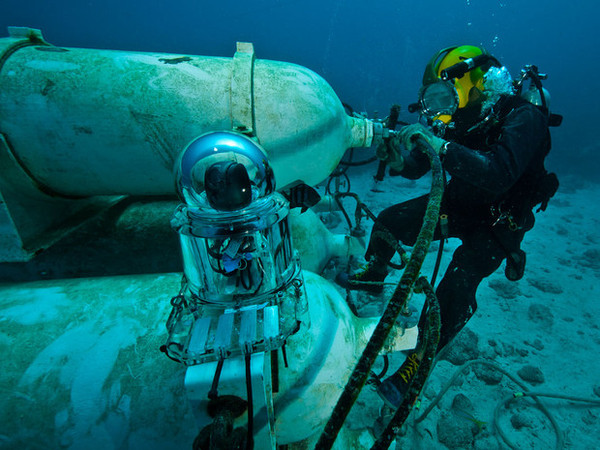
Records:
x=372, y=53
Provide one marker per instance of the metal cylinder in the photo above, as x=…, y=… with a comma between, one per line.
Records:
x=84, y=122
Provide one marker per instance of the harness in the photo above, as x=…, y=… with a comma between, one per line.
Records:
x=536, y=187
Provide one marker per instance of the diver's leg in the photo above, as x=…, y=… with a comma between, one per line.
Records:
x=478, y=257
x=397, y=224
x=480, y=254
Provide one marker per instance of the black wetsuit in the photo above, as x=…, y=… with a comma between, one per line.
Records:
x=492, y=170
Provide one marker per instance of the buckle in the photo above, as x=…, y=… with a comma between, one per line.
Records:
x=503, y=217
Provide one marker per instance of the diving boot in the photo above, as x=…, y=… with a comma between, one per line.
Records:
x=393, y=389
x=515, y=265
x=370, y=278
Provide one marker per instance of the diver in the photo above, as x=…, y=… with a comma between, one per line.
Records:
x=492, y=143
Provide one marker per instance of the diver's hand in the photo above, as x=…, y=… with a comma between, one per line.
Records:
x=410, y=134
x=389, y=152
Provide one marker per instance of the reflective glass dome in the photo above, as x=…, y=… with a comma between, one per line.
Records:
x=218, y=147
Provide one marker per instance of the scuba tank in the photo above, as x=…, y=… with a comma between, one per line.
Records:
x=536, y=94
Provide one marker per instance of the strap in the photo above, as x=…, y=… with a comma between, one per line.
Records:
x=242, y=89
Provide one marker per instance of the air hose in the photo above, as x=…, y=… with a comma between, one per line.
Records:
x=396, y=304
x=430, y=343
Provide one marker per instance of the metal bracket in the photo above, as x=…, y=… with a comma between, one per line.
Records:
x=242, y=89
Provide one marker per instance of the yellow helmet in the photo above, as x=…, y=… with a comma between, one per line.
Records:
x=470, y=84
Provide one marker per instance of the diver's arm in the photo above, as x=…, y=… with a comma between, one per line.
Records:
x=503, y=163
x=416, y=164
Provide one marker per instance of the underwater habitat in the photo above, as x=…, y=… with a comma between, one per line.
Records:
x=299, y=225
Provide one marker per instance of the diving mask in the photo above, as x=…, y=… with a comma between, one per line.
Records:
x=438, y=100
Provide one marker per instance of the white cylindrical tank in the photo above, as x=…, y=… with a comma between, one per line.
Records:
x=85, y=371
x=83, y=368
x=94, y=122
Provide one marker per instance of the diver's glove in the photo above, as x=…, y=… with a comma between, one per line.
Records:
x=389, y=152
x=410, y=134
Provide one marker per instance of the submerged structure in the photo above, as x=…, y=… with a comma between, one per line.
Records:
x=264, y=345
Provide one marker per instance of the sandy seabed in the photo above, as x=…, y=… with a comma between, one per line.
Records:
x=543, y=330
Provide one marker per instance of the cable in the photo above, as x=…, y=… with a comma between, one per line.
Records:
x=359, y=163
x=504, y=402
x=332, y=177
x=443, y=236
x=450, y=382
x=250, y=436
x=214, y=393
x=386, y=365
x=570, y=398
